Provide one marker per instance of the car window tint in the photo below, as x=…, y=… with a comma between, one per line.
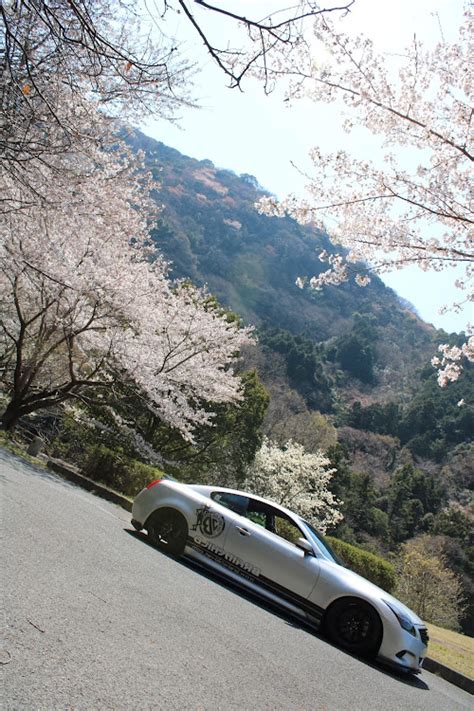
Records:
x=285, y=528
x=234, y=502
x=260, y=513
x=323, y=546
x=257, y=517
x=273, y=520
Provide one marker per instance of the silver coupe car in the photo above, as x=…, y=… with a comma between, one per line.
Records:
x=280, y=556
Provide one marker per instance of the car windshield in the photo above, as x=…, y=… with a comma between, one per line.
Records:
x=322, y=544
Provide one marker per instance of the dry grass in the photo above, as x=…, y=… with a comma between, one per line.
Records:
x=452, y=649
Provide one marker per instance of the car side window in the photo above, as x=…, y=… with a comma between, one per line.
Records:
x=257, y=517
x=273, y=520
x=258, y=512
x=234, y=502
x=285, y=528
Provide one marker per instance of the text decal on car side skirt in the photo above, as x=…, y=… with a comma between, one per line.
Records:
x=229, y=559
x=254, y=574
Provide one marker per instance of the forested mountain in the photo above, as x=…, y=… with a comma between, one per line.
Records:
x=211, y=232
x=347, y=369
x=361, y=355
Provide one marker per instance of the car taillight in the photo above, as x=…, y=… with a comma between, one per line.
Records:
x=152, y=483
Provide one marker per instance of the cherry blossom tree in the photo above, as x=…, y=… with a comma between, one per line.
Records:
x=85, y=302
x=414, y=204
x=292, y=477
x=268, y=38
x=57, y=57
x=124, y=56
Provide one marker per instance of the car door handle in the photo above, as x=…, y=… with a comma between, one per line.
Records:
x=243, y=531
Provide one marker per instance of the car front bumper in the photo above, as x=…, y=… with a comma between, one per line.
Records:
x=403, y=650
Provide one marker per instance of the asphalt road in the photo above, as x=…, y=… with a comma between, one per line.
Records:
x=97, y=619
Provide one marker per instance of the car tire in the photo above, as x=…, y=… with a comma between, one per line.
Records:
x=168, y=529
x=354, y=625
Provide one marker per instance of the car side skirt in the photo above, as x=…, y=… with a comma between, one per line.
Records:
x=257, y=583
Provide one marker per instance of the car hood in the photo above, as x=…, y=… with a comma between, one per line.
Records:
x=365, y=587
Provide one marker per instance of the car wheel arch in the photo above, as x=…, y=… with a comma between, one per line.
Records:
x=164, y=507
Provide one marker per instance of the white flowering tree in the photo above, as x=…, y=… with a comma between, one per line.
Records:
x=59, y=54
x=126, y=56
x=413, y=205
x=266, y=35
x=292, y=477
x=84, y=302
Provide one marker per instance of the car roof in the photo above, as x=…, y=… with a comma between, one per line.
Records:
x=206, y=489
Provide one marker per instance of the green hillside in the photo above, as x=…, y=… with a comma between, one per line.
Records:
x=211, y=232
x=347, y=369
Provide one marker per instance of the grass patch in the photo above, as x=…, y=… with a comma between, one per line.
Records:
x=19, y=450
x=452, y=649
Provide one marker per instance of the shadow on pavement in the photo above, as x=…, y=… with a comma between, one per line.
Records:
x=282, y=613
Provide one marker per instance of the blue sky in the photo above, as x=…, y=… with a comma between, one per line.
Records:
x=251, y=133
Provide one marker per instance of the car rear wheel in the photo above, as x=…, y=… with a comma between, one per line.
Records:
x=354, y=625
x=168, y=529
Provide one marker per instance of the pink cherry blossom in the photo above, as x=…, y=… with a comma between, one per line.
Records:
x=413, y=205
x=86, y=301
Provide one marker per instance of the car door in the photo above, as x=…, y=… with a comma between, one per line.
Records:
x=263, y=538
x=208, y=532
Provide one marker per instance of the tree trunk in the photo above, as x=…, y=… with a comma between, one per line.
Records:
x=11, y=416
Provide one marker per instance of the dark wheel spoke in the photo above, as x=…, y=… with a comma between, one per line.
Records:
x=354, y=625
x=168, y=529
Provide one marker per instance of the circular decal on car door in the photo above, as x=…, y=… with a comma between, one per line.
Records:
x=210, y=523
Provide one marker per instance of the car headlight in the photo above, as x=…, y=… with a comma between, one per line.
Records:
x=404, y=621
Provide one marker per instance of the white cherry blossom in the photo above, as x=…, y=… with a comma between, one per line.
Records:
x=294, y=478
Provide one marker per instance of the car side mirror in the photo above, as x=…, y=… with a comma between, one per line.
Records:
x=305, y=546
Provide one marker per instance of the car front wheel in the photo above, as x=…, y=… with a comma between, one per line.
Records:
x=168, y=529
x=354, y=625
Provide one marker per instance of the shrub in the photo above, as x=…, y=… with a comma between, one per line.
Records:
x=370, y=566
x=118, y=471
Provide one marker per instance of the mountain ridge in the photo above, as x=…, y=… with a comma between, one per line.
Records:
x=211, y=232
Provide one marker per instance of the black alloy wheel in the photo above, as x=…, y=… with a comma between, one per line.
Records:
x=168, y=530
x=354, y=625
